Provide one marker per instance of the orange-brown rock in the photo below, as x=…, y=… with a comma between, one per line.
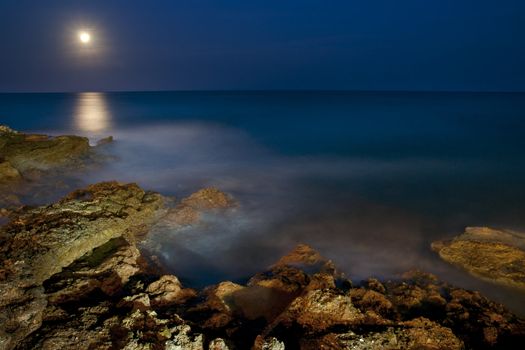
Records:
x=168, y=291
x=414, y=335
x=37, y=243
x=497, y=256
x=190, y=209
x=318, y=310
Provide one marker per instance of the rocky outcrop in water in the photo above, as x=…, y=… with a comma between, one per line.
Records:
x=27, y=152
x=190, y=209
x=497, y=256
x=29, y=161
x=73, y=277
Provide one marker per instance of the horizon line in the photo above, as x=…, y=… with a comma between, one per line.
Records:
x=267, y=90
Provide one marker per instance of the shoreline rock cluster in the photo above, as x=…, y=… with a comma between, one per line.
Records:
x=72, y=276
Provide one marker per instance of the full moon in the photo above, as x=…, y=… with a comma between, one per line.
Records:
x=84, y=37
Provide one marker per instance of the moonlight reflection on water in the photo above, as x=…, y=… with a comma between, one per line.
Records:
x=91, y=113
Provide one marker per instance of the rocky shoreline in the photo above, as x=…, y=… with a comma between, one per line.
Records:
x=33, y=165
x=73, y=275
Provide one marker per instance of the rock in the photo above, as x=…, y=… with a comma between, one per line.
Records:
x=37, y=243
x=8, y=173
x=417, y=334
x=80, y=330
x=467, y=313
x=139, y=302
x=110, y=298
x=319, y=310
x=269, y=293
x=107, y=269
x=105, y=141
x=300, y=270
x=220, y=305
x=304, y=256
x=218, y=344
x=208, y=198
x=168, y=291
x=416, y=294
x=35, y=167
x=270, y=343
x=493, y=255
x=480, y=322
x=25, y=151
x=190, y=209
x=368, y=301
x=51, y=237
x=183, y=339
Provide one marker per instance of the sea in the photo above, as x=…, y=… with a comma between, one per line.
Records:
x=369, y=179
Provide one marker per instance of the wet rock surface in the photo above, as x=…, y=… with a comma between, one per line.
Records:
x=190, y=209
x=75, y=275
x=497, y=256
x=38, y=243
x=30, y=164
x=31, y=151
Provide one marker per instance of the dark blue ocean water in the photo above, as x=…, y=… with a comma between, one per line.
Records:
x=369, y=179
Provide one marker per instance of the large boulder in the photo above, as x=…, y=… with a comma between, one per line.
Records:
x=497, y=256
x=37, y=243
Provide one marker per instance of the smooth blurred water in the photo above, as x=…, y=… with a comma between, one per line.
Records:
x=369, y=179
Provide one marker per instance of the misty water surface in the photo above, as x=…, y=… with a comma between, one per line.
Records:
x=368, y=179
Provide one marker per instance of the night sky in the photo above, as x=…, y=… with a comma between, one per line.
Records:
x=263, y=44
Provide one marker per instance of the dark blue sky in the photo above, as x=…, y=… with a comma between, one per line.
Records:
x=263, y=44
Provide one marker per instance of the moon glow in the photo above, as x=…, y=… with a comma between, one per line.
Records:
x=84, y=37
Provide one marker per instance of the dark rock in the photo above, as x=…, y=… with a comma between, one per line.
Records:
x=105, y=141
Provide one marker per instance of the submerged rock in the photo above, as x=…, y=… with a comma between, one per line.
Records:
x=190, y=209
x=105, y=141
x=497, y=256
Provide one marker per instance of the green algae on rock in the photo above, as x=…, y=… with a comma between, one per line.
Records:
x=497, y=256
x=33, y=166
x=33, y=151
